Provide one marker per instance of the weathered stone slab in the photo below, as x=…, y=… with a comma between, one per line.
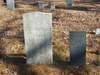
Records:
x=10, y=4
x=38, y=36
x=77, y=48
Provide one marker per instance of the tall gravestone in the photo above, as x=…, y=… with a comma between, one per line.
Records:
x=38, y=36
x=77, y=48
x=69, y=3
x=98, y=31
x=10, y=4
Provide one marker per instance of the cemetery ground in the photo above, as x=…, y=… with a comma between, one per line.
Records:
x=12, y=50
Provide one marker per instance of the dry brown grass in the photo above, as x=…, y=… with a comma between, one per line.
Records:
x=12, y=40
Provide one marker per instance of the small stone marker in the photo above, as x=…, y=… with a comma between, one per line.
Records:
x=10, y=4
x=52, y=6
x=38, y=36
x=77, y=48
x=69, y=3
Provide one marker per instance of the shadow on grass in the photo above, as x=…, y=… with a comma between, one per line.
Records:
x=24, y=69
x=79, y=8
x=19, y=62
x=86, y=1
x=14, y=58
x=70, y=69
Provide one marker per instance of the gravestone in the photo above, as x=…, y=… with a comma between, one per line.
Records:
x=42, y=4
x=77, y=48
x=52, y=6
x=10, y=4
x=38, y=36
x=69, y=3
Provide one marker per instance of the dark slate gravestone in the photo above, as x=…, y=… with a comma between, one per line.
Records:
x=69, y=3
x=77, y=48
x=10, y=4
x=38, y=33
